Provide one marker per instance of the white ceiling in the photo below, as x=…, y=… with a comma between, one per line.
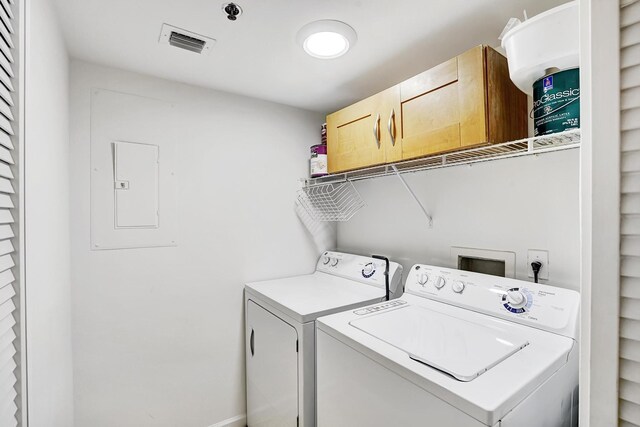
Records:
x=257, y=55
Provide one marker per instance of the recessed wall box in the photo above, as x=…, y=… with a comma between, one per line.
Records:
x=486, y=261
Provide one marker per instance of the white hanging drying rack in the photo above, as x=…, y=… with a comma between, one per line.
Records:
x=331, y=201
x=335, y=198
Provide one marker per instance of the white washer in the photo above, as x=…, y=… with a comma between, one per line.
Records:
x=280, y=331
x=460, y=349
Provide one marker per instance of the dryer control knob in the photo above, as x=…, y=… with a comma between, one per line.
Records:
x=423, y=278
x=516, y=299
x=325, y=260
x=335, y=262
x=440, y=282
x=368, y=269
x=458, y=286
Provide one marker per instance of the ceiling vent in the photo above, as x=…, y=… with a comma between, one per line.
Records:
x=183, y=39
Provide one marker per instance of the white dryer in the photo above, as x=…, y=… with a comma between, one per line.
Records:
x=280, y=331
x=457, y=349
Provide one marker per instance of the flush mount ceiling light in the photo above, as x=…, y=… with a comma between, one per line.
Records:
x=326, y=39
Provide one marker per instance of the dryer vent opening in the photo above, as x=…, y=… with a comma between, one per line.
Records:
x=183, y=39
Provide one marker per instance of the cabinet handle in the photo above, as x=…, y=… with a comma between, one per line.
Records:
x=391, y=127
x=251, y=342
x=376, y=130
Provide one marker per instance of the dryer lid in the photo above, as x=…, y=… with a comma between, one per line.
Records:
x=458, y=347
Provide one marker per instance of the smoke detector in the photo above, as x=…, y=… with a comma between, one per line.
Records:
x=187, y=40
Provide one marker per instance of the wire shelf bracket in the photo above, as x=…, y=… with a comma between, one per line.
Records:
x=413, y=196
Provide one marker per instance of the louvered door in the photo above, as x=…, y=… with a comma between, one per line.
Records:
x=629, y=381
x=9, y=329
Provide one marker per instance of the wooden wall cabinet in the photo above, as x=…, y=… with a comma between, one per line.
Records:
x=464, y=102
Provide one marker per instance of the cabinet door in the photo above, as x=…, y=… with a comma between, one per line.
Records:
x=444, y=108
x=272, y=369
x=354, y=136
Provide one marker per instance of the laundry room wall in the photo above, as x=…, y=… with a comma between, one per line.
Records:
x=46, y=244
x=511, y=205
x=158, y=332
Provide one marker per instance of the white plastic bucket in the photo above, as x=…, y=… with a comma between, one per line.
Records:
x=548, y=40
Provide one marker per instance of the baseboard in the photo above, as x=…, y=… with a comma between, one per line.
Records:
x=237, y=421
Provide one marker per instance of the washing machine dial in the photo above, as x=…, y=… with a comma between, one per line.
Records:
x=326, y=259
x=335, y=262
x=516, y=299
x=423, y=278
x=458, y=287
x=440, y=282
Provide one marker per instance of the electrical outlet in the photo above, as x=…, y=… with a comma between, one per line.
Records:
x=543, y=257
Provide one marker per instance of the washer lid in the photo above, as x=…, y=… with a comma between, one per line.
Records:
x=458, y=347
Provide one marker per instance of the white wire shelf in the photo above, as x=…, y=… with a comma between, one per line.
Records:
x=522, y=147
x=335, y=198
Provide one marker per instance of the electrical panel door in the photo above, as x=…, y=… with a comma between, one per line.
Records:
x=136, y=185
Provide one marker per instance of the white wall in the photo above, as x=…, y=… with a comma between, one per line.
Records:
x=47, y=246
x=158, y=332
x=510, y=205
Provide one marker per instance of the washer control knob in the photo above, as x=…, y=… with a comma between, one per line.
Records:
x=335, y=262
x=458, y=286
x=440, y=282
x=326, y=259
x=516, y=298
x=423, y=279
